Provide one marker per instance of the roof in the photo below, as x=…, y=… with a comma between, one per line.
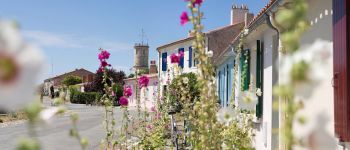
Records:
x=191, y=37
x=175, y=42
x=259, y=15
x=76, y=70
x=262, y=11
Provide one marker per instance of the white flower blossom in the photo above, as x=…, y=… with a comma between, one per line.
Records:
x=19, y=68
x=258, y=92
x=210, y=54
x=47, y=114
x=247, y=100
x=226, y=115
x=316, y=55
x=314, y=132
x=185, y=80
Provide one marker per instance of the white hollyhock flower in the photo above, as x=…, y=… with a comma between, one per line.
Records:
x=20, y=65
x=226, y=115
x=317, y=56
x=210, y=54
x=314, y=132
x=48, y=113
x=185, y=80
x=258, y=92
x=247, y=100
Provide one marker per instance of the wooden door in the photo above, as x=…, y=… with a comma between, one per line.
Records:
x=341, y=68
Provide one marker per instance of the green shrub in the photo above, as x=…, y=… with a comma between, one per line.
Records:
x=177, y=85
x=78, y=97
x=72, y=80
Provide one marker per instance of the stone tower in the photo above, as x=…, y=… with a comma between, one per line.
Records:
x=141, y=56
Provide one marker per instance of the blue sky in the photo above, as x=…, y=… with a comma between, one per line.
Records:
x=71, y=32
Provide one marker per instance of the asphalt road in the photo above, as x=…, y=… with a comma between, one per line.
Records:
x=55, y=134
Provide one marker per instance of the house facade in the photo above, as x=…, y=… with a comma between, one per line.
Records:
x=216, y=41
x=148, y=96
x=262, y=53
x=85, y=75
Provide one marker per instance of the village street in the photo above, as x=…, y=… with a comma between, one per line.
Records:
x=55, y=134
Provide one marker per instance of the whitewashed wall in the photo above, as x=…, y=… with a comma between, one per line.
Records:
x=148, y=97
x=164, y=75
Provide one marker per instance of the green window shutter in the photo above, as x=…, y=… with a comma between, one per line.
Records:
x=259, y=75
x=245, y=69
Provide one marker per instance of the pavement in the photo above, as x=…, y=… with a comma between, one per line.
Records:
x=54, y=135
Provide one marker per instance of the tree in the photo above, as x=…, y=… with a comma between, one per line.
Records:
x=131, y=75
x=96, y=86
x=72, y=80
x=143, y=71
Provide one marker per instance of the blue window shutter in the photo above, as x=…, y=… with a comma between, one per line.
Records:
x=190, y=57
x=181, y=64
x=164, y=61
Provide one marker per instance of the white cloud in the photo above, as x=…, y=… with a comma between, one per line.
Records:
x=47, y=39
x=54, y=40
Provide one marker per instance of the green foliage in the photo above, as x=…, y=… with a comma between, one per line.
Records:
x=112, y=75
x=118, y=91
x=72, y=80
x=131, y=75
x=142, y=71
x=28, y=144
x=237, y=137
x=185, y=82
x=83, y=98
x=156, y=137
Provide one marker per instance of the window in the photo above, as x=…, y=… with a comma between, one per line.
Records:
x=164, y=61
x=181, y=64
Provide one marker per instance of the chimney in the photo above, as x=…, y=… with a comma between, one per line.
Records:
x=248, y=17
x=153, y=67
x=238, y=14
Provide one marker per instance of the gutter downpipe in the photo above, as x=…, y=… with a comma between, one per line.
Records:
x=271, y=22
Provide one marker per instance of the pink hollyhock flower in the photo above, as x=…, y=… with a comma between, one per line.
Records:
x=184, y=18
x=127, y=91
x=181, y=54
x=158, y=115
x=174, y=58
x=196, y=2
x=103, y=55
x=153, y=109
x=143, y=81
x=123, y=101
x=104, y=63
x=149, y=127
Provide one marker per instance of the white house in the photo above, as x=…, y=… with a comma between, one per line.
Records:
x=263, y=47
x=148, y=96
x=216, y=40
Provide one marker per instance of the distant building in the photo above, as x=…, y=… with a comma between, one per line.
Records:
x=147, y=97
x=141, y=56
x=85, y=75
x=216, y=40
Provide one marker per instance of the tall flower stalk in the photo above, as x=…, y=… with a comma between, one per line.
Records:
x=292, y=24
x=107, y=98
x=206, y=127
